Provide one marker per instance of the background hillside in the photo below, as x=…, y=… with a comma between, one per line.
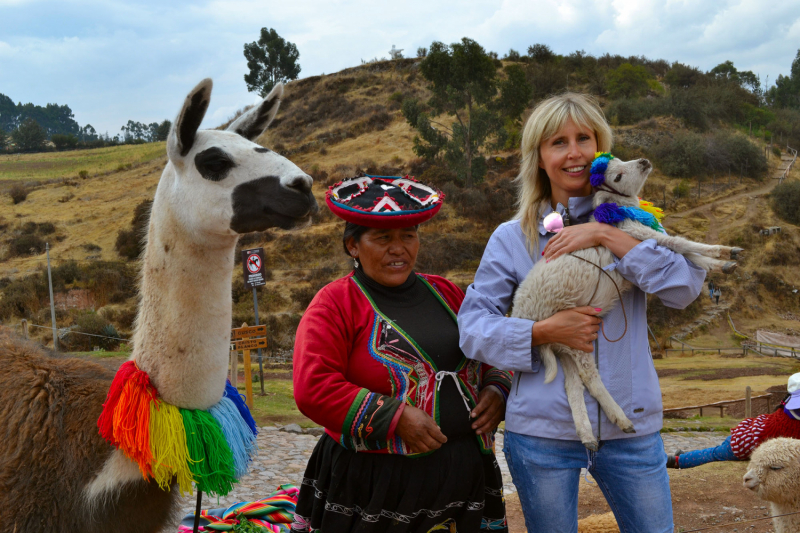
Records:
x=714, y=142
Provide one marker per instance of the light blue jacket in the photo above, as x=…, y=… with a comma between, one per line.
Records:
x=626, y=367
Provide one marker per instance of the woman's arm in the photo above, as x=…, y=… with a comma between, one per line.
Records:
x=587, y=235
x=486, y=334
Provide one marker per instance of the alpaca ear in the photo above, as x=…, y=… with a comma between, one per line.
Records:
x=253, y=123
x=182, y=135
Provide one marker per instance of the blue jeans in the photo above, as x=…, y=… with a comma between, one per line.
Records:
x=723, y=452
x=631, y=473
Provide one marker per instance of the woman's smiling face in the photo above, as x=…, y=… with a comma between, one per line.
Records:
x=567, y=157
x=386, y=255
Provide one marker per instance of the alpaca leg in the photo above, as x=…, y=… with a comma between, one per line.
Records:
x=711, y=265
x=549, y=362
x=580, y=416
x=591, y=379
x=679, y=244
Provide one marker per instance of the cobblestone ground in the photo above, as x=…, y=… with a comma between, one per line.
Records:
x=283, y=455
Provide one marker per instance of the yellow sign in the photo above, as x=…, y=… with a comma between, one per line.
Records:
x=251, y=331
x=248, y=344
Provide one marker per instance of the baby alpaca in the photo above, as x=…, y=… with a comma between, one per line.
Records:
x=576, y=279
x=774, y=476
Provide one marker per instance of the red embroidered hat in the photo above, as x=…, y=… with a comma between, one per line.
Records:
x=384, y=202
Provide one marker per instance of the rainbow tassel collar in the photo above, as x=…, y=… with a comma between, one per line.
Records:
x=210, y=448
x=646, y=213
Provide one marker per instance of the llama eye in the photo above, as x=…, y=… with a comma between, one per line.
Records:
x=213, y=164
x=619, y=177
x=776, y=468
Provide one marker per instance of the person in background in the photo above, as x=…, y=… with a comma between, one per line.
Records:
x=749, y=433
x=717, y=294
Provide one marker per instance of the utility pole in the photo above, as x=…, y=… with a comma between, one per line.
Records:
x=52, y=302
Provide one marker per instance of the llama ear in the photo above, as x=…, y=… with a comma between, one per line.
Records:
x=181, y=137
x=253, y=123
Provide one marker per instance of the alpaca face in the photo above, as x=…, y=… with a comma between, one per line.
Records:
x=222, y=183
x=772, y=465
x=623, y=182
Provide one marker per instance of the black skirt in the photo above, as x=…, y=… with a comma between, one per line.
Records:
x=456, y=488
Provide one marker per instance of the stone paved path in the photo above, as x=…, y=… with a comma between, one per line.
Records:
x=282, y=459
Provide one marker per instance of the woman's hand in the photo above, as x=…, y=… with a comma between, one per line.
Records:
x=574, y=238
x=419, y=431
x=576, y=328
x=489, y=411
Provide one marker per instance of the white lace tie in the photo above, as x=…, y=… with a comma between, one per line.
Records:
x=440, y=375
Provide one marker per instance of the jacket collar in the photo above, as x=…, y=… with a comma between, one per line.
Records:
x=580, y=209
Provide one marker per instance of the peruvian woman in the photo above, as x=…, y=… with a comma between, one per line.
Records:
x=409, y=420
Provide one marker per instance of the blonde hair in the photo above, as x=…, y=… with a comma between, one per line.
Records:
x=547, y=118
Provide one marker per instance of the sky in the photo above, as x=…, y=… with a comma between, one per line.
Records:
x=115, y=61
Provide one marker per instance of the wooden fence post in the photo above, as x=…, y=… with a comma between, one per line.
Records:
x=24, y=328
x=748, y=407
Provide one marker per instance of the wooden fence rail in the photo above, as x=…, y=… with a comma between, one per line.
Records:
x=721, y=405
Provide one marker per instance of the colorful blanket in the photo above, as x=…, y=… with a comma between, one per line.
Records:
x=274, y=513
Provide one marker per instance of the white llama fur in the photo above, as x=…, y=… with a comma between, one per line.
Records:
x=774, y=476
x=567, y=282
x=216, y=186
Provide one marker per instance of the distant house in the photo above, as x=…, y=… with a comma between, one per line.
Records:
x=772, y=230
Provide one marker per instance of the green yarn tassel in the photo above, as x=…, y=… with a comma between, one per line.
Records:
x=210, y=458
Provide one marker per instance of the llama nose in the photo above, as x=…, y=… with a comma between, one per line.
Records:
x=300, y=183
x=644, y=164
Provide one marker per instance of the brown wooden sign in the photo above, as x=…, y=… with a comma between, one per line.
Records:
x=248, y=344
x=245, y=333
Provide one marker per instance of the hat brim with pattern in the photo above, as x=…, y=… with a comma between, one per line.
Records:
x=384, y=202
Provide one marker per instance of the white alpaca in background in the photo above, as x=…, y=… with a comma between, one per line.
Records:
x=577, y=279
x=774, y=476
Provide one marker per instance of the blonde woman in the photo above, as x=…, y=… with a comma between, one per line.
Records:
x=544, y=453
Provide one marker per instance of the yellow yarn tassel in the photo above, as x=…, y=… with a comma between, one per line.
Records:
x=657, y=212
x=168, y=443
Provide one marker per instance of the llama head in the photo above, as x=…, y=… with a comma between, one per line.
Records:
x=774, y=471
x=618, y=181
x=221, y=183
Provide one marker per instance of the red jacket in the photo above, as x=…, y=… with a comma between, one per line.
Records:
x=354, y=371
x=751, y=432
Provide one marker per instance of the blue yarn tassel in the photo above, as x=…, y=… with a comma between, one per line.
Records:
x=238, y=400
x=241, y=439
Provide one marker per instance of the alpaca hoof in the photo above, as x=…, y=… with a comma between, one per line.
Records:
x=729, y=267
x=628, y=429
x=735, y=252
x=591, y=446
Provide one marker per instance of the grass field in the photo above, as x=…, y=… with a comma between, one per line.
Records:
x=54, y=165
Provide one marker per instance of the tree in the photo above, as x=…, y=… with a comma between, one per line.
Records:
x=541, y=53
x=422, y=51
x=271, y=60
x=628, y=81
x=515, y=92
x=682, y=76
x=88, y=133
x=162, y=132
x=3, y=139
x=64, y=142
x=462, y=80
x=29, y=136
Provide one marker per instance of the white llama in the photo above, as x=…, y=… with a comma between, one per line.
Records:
x=57, y=474
x=568, y=282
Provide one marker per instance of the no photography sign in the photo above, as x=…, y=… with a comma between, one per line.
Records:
x=253, y=263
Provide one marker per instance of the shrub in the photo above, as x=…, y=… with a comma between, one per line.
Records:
x=785, y=201
x=18, y=193
x=83, y=174
x=90, y=324
x=682, y=155
x=682, y=189
x=46, y=228
x=776, y=151
x=26, y=245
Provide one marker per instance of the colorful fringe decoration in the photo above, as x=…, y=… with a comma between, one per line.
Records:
x=210, y=448
x=599, y=165
x=657, y=212
x=611, y=213
x=275, y=513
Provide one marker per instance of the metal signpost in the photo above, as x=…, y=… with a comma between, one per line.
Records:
x=253, y=267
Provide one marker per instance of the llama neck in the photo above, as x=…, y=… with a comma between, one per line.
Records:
x=785, y=524
x=183, y=328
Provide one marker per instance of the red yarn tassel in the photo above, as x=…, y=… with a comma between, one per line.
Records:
x=131, y=420
x=106, y=421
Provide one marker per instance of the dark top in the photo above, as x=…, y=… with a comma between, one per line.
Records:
x=417, y=311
